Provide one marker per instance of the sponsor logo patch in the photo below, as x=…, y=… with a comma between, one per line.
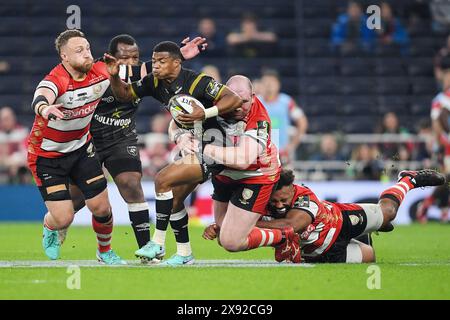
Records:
x=246, y=195
x=90, y=150
x=302, y=202
x=132, y=150
x=213, y=88
x=354, y=220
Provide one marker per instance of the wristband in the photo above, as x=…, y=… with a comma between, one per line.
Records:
x=38, y=102
x=211, y=112
x=40, y=108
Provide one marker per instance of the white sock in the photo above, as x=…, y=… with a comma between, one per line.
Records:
x=159, y=237
x=184, y=249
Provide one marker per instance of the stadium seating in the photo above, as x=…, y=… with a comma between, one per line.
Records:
x=326, y=84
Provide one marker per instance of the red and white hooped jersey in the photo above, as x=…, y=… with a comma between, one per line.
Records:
x=53, y=139
x=320, y=235
x=266, y=169
x=442, y=100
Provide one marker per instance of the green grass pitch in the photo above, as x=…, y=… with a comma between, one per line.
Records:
x=414, y=263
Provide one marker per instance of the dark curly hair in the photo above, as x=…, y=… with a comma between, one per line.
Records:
x=287, y=178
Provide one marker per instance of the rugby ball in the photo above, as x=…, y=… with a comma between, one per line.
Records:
x=182, y=103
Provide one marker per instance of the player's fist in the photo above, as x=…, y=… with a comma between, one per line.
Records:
x=52, y=112
x=112, y=64
x=211, y=232
x=197, y=114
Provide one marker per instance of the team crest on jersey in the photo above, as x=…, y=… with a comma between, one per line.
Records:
x=98, y=89
x=246, y=195
x=132, y=150
x=356, y=219
x=90, y=150
x=302, y=202
x=213, y=88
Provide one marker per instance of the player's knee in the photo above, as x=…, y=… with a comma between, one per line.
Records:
x=100, y=206
x=389, y=214
x=389, y=210
x=62, y=221
x=230, y=244
x=162, y=181
x=131, y=190
x=178, y=204
x=368, y=254
x=101, y=209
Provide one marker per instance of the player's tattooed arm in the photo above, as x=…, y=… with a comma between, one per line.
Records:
x=122, y=90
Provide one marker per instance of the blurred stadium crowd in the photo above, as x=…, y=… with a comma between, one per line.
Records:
x=349, y=102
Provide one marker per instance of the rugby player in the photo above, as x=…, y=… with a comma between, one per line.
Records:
x=440, y=113
x=169, y=78
x=113, y=129
x=60, y=148
x=328, y=230
x=242, y=190
x=237, y=123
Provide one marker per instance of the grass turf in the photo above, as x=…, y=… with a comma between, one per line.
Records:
x=414, y=262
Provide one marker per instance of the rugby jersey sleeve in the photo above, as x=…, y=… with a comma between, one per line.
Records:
x=52, y=83
x=308, y=202
x=145, y=87
x=260, y=131
x=206, y=88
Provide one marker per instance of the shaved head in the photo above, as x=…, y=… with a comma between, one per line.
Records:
x=243, y=87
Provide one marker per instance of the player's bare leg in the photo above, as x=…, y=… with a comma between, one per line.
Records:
x=238, y=231
x=59, y=215
x=391, y=198
x=130, y=188
x=78, y=203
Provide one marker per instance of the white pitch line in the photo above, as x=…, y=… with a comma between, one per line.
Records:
x=137, y=264
x=426, y=264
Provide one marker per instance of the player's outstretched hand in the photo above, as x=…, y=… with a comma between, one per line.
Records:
x=112, y=64
x=193, y=47
x=52, y=112
x=211, y=232
x=198, y=114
